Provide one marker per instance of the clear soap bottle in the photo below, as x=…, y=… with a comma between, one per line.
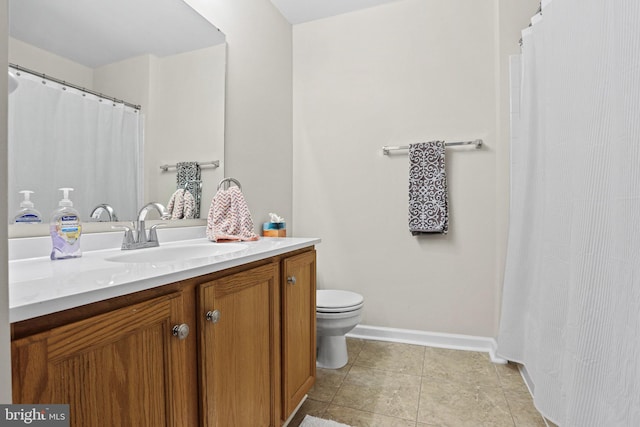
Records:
x=27, y=213
x=65, y=229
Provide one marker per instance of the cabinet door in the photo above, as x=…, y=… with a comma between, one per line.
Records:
x=239, y=349
x=298, y=329
x=122, y=368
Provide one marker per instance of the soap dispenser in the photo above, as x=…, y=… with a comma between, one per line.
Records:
x=27, y=213
x=65, y=229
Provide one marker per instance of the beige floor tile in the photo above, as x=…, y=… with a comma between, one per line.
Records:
x=523, y=411
x=397, y=385
x=510, y=378
x=356, y=418
x=386, y=393
x=354, y=346
x=328, y=381
x=466, y=367
x=446, y=403
x=395, y=357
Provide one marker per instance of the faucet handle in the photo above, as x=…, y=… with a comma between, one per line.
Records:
x=121, y=227
x=153, y=235
x=128, y=239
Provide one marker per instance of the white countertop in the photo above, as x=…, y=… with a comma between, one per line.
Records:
x=39, y=286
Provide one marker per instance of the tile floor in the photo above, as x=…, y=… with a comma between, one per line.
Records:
x=397, y=385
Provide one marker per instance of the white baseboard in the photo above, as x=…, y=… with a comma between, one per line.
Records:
x=526, y=378
x=429, y=339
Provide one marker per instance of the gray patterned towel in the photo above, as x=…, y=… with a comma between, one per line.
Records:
x=188, y=177
x=428, y=211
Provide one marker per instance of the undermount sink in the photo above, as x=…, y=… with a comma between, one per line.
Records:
x=166, y=254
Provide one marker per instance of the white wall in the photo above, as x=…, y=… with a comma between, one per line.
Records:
x=258, y=139
x=403, y=72
x=40, y=60
x=128, y=80
x=186, y=122
x=5, y=343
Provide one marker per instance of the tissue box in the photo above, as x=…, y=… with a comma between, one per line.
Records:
x=274, y=229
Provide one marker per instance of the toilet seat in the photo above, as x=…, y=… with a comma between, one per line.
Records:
x=336, y=301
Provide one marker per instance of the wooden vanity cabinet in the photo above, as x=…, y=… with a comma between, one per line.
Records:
x=248, y=360
x=298, y=329
x=239, y=349
x=121, y=368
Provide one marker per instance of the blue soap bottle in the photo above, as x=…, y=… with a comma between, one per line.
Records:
x=65, y=229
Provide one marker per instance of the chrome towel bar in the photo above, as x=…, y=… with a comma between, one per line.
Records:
x=214, y=163
x=386, y=149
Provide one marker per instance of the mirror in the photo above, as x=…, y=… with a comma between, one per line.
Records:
x=159, y=54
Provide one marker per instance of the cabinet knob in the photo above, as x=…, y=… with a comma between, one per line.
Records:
x=181, y=331
x=291, y=280
x=213, y=316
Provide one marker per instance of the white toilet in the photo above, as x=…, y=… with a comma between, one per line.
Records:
x=337, y=313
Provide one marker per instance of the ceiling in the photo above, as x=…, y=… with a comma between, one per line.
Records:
x=299, y=11
x=99, y=32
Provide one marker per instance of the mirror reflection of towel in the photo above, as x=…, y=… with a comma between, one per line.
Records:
x=428, y=204
x=189, y=177
x=229, y=217
x=181, y=205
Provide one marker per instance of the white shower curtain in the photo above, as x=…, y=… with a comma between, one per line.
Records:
x=571, y=299
x=66, y=138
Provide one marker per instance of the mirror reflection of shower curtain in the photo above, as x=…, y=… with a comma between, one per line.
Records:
x=66, y=138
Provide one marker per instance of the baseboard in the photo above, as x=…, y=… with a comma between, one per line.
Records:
x=531, y=387
x=429, y=339
x=526, y=378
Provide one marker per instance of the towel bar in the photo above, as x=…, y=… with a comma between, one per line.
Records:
x=477, y=142
x=214, y=163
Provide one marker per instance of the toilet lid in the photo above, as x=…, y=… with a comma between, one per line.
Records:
x=335, y=301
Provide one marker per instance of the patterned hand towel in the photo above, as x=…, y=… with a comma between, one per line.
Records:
x=189, y=205
x=189, y=177
x=181, y=205
x=428, y=211
x=229, y=217
x=175, y=205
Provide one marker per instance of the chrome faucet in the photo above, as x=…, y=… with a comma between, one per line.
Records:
x=136, y=237
x=155, y=205
x=97, y=212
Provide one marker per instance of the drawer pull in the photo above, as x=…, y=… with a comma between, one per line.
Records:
x=291, y=280
x=213, y=316
x=181, y=331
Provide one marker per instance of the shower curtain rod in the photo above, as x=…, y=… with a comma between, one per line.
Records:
x=477, y=142
x=71, y=85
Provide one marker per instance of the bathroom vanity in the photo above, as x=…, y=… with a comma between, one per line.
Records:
x=221, y=340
